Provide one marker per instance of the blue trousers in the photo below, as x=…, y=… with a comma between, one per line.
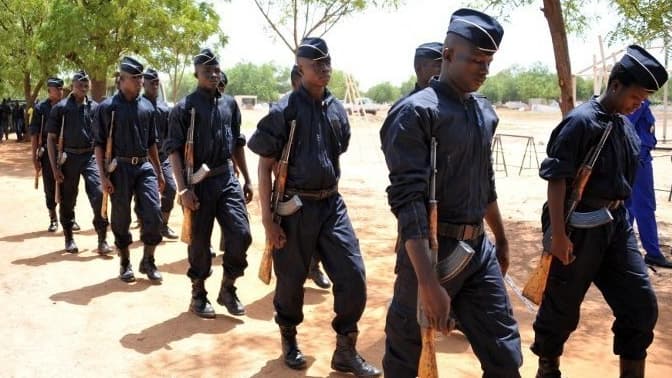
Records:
x=607, y=256
x=139, y=181
x=48, y=183
x=322, y=227
x=83, y=165
x=642, y=207
x=479, y=303
x=221, y=198
x=169, y=191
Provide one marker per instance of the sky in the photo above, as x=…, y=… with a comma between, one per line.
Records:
x=378, y=45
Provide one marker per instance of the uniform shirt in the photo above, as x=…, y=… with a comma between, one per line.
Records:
x=643, y=121
x=134, y=125
x=39, y=120
x=321, y=135
x=78, y=117
x=465, y=183
x=216, y=127
x=570, y=141
x=161, y=118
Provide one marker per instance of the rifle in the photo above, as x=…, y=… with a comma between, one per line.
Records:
x=38, y=153
x=108, y=165
x=60, y=159
x=186, y=234
x=535, y=286
x=427, y=366
x=276, y=196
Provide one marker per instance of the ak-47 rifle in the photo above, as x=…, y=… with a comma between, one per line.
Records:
x=60, y=159
x=427, y=366
x=278, y=193
x=186, y=233
x=109, y=165
x=535, y=286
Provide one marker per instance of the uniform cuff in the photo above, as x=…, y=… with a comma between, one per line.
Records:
x=553, y=168
x=413, y=222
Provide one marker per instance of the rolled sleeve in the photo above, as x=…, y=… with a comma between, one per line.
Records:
x=270, y=136
x=99, y=125
x=565, y=149
x=54, y=119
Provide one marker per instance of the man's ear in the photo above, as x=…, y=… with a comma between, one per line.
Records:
x=448, y=53
x=196, y=75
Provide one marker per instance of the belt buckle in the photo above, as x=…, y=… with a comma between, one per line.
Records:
x=134, y=160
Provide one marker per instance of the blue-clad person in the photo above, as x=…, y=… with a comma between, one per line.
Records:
x=138, y=169
x=642, y=203
x=606, y=255
x=74, y=115
x=219, y=195
x=321, y=224
x=150, y=87
x=463, y=124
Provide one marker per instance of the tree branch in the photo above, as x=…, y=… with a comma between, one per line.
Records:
x=273, y=26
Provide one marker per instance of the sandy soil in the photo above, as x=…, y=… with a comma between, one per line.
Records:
x=69, y=315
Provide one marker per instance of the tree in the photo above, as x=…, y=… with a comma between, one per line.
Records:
x=408, y=85
x=262, y=81
x=383, y=93
x=643, y=21
x=292, y=20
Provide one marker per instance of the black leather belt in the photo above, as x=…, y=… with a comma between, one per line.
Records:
x=313, y=194
x=221, y=169
x=133, y=160
x=598, y=203
x=460, y=231
x=78, y=150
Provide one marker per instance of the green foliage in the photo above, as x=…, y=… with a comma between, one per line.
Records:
x=643, y=21
x=521, y=84
x=337, y=84
x=263, y=81
x=407, y=86
x=383, y=93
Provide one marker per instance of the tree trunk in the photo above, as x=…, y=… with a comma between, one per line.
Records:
x=98, y=89
x=553, y=13
x=26, y=89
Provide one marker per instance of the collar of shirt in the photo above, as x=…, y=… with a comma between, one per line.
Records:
x=207, y=95
x=120, y=97
x=327, y=97
x=447, y=90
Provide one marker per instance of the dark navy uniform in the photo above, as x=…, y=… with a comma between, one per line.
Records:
x=169, y=192
x=78, y=138
x=465, y=186
x=217, y=128
x=606, y=255
x=38, y=125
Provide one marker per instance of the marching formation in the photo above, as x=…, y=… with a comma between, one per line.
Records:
x=437, y=145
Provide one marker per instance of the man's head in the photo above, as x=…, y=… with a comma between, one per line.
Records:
x=472, y=40
x=151, y=84
x=223, y=82
x=633, y=79
x=295, y=77
x=80, y=84
x=207, y=70
x=314, y=62
x=130, y=77
x=427, y=62
x=54, y=89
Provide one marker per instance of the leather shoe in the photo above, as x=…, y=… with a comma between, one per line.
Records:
x=53, y=225
x=148, y=267
x=228, y=298
x=659, y=261
x=75, y=226
x=291, y=353
x=103, y=248
x=168, y=232
x=319, y=278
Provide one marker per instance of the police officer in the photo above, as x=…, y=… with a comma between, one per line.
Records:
x=219, y=196
x=19, y=120
x=38, y=132
x=463, y=124
x=138, y=169
x=642, y=204
x=322, y=225
x=74, y=113
x=606, y=255
x=151, y=93
x=427, y=64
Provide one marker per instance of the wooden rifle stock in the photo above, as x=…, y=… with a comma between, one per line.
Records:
x=186, y=234
x=108, y=159
x=266, y=264
x=536, y=284
x=59, y=157
x=427, y=367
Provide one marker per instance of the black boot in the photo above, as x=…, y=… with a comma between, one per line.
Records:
x=125, y=268
x=549, y=367
x=103, y=247
x=75, y=226
x=147, y=265
x=70, y=245
x=632, y=368
x=227, y=297
x=347, y=360
x=166, y=231
x=200, y=305
x=53, y=221
x=290, y=349
x=315, y=274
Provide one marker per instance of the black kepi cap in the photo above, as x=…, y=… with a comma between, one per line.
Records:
x=478, y=28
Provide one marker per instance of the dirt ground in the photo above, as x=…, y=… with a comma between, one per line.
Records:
x=69, y=315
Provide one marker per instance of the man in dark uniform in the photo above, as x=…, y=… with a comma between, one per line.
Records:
x=463, y=124
x=38, y=132
x=322, y=225
x=606, y=255
x=5, y=111
x=427, y=64
x=75, y=113
x=138, y=169
x=19, y=120
x=642, y=204
x=151, y=93
x=218, y=196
